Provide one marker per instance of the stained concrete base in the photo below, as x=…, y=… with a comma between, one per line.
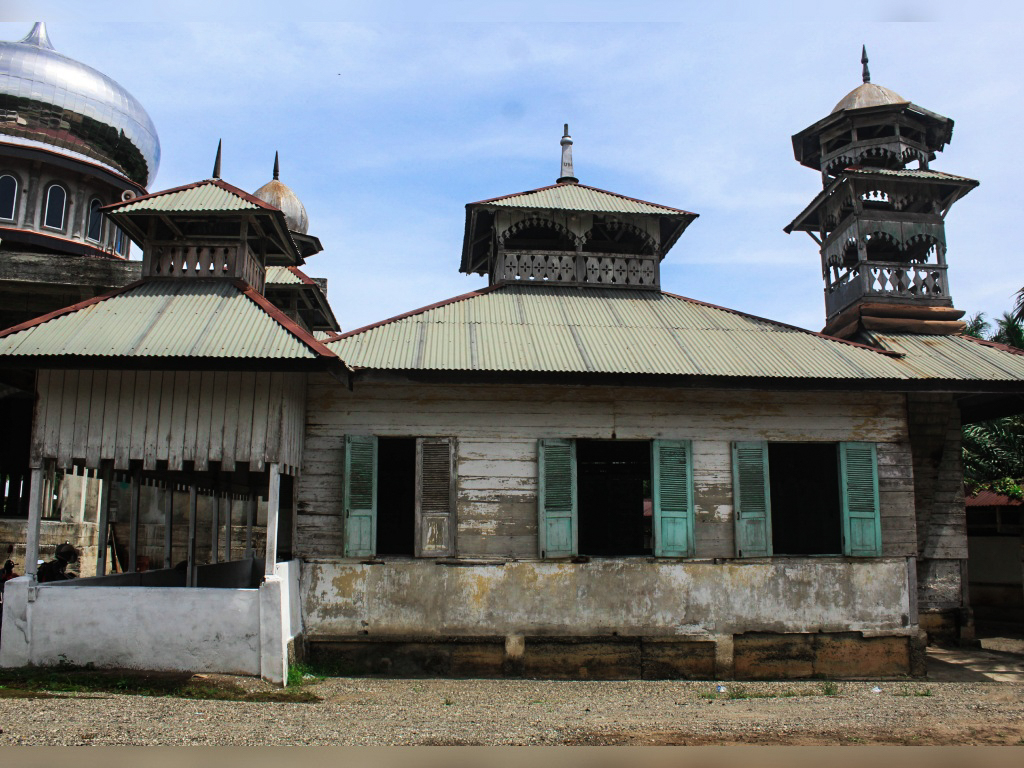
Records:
x=751, y=656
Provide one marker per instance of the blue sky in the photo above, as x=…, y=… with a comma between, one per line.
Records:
x=390, y=119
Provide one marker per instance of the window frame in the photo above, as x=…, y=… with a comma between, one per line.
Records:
x=860, y=508
x=63, y=210
x=672, y=500
x=435, y=526
x=89, y=218
x=14, y=199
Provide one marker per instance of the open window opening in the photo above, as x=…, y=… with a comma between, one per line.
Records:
x=614, y=486
x=396, y=496
x=805, y=499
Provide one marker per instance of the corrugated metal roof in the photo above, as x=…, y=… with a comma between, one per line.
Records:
x=952, y=357
x=163, y=318
x=909, y=173
x=991, y=499
x=282, y=276
x=578, y=197
x=210, y=195
x=552, y=329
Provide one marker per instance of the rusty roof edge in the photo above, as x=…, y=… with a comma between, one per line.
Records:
x=994, y=344
x=420, y=311
x=592, y=189
x=296, y=330
x=784, y=325
x=36, y=321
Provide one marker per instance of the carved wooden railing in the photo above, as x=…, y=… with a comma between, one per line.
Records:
x=236, y=260
x=877, y=279
x=568, y=267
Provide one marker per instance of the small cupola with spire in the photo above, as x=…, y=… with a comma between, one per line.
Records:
x=570, y=234
x=880, y=225
x=209, y=229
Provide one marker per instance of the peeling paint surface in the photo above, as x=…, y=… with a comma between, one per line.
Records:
x=627, y=596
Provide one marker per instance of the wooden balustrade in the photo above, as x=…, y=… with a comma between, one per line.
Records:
x=886, y=280
x=234, y=260
x=568, y=267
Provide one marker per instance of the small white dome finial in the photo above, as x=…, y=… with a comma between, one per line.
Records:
x=568, y=175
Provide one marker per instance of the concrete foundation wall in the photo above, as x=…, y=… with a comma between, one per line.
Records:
x=624, y=596
x=198, y=630
x=231, y=631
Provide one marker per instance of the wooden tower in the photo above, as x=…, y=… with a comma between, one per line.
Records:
x=879, y=223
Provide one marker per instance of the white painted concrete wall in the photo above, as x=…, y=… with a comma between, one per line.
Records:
x=234, y=631
x=628, y=596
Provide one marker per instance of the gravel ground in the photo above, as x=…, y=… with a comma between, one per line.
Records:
x=372, y=712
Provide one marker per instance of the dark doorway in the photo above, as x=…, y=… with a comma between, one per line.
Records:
x=806, y=516
x=396, y=495
x=613, y=479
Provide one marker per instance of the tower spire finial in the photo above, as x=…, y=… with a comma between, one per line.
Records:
x=216, y=163
x=568, y=175
x=277, y=168
x=38, y=37
x=864, y=60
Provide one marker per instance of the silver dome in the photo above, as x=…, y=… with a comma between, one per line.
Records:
x=49, y=100
x=280, y=195
x=868, y=95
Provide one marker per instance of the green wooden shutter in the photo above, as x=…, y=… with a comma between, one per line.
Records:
x=672, y=471
x=858, y=471
x=360, y=495
x=435, y=497
x=752, y=503
x=556, y=500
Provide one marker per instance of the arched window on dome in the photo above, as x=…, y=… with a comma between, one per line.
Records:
x=8, y=196
x=56, y=204
x=94, y=231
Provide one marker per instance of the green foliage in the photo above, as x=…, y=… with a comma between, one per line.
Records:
x=830, y=688
x=303, y=673
x=978, y=326
x=993, y=451
x=1009, y=331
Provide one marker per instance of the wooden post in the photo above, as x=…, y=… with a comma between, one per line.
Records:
x=35, y=508
x=214, y=525
x=227, y=528
x=168, y=525
x=106, y=481
x=190, y=578
x=250, y=516
x=133, y=532
x=273, y=508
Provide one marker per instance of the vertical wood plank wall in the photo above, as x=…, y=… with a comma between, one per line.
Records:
x=172, y=416
x=498, y=427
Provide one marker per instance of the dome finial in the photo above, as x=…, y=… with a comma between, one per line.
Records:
x=567, y=176
x=864, y=60
x=38, y=36
x=216, y=162
x=277, y=168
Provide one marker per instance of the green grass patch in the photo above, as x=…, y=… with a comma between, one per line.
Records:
x=68, y=678
x=830, y=688
x=302, y=674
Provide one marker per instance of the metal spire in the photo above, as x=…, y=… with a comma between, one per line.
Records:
x=277, y=168
x=567, y=176
x=38, y=36
x=216, y=163
x=864, y=60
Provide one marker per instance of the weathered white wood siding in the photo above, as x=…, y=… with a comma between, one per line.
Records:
x=172, y=416
x=498, y=427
